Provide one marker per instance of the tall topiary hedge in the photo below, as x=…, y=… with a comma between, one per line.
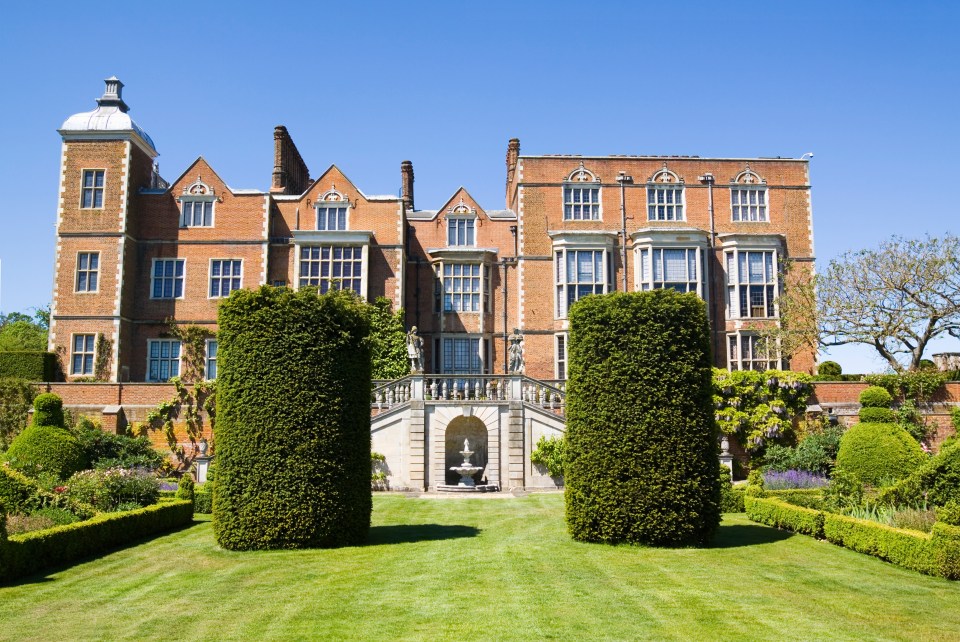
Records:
x=879, y=453
x=32, y=365
x=293, y=420
x=642, y=459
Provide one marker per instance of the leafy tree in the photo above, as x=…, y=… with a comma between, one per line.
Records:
x=896, y=298
x=22, y=335
x=387, y=340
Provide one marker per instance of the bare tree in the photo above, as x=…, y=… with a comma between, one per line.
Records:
x=896, y=298
x=796, y=330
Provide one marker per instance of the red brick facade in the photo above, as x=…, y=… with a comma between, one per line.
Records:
x=465, y=274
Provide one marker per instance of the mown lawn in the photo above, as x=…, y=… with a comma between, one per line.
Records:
x=474, y=569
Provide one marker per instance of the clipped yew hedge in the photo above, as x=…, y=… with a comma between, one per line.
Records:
x=642, y=445
x=45, y=445
x=32, y=365
x=28, y=553
x=293, y=420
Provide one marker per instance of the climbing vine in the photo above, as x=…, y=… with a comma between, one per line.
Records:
x=186, y=406
x=104, y=352
x=193, y=342
x=759, y=407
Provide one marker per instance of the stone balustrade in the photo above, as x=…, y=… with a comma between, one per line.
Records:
x=550, y=395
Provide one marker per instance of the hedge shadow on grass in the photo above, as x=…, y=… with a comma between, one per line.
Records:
x=412, y=533
x=740, y=535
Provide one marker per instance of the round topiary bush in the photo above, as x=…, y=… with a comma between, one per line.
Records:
x=50, y=449
x=876, y=415
x=185, y=487
x=48, y=410
x=642, y=458
x=875, y=397
x=293, y=420
x=829, y=369
x=879, y=453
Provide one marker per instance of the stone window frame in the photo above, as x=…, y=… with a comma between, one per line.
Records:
x=163, y=278
x=662, y=187
x=740, y=287
x=579, y=182
x=561, y=354
x=87, y=272
x=481, y=357
x=332, y=201
x=221, y=279
x=194, y=194
x=745, y=184
x=741, y=342
x=210, y=359
x=646, y=255
x=325, y=282
x=172, y=363
x=87, y=354
x=93, y=189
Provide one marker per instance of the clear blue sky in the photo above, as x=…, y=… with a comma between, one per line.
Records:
x=870, y=88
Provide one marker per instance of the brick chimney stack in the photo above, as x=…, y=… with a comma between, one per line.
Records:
x=406, y=184
x=290, y=174
x=513, y=153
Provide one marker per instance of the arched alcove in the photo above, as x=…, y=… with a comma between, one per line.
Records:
x=458, y=430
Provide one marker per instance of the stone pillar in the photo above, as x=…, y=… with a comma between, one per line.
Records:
x=726, y=458
x=418, y=449
x=515, y=445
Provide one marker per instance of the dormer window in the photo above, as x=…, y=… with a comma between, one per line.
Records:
x=581, y=196
x=196, y=205
x=665, y=196
x=332, y=211
x=461, y=224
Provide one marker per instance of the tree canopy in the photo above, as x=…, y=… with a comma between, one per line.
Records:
x=896, y=298
x=20, y=331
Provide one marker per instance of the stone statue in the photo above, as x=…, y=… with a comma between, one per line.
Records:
x=466, y=446
x=415, y=350
x=515, y=352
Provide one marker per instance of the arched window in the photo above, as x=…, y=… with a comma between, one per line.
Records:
x=665, y=196
x=332, y=209
x=197, y=205
x=748, y=198
x=581, y=196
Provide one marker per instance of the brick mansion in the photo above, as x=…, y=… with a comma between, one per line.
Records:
x=134, y=251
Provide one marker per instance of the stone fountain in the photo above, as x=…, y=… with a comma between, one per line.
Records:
x=466, y=470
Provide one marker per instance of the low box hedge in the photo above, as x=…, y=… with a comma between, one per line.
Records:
x=28, y=553
x=32, y=365
x=910, y=549
x=937, y=553
x=805, y=497
x=777, y=512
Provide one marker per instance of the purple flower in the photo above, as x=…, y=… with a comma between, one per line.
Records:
x=774, y=480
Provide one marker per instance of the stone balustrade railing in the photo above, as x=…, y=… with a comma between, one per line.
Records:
x=550, y=395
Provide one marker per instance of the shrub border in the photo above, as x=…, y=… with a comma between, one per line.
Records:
x=935, y=554
x=27, y=553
